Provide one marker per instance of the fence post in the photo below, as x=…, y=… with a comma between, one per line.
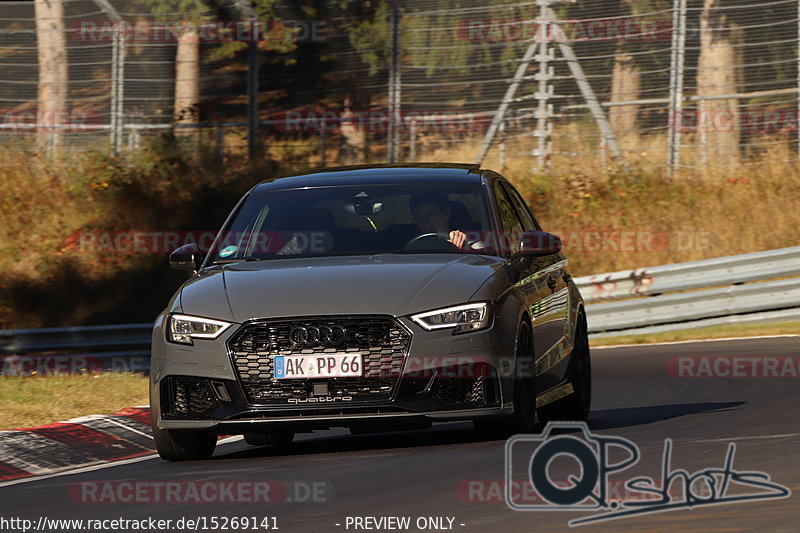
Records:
x=412, y=141
x=118, y=89
x=544, y=110
x=117, y=105
x=675, y=110
x=114, y=82
x=394, y=85
x=502, y=147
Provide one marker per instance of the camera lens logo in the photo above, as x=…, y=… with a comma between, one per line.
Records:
x=547, y=488
x=529, y=461
x=317, y=335
x=530, y=456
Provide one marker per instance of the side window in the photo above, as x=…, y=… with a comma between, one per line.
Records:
x=512, y=225
x=527, y=220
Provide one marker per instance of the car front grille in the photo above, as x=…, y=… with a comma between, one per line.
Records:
x=382, y=342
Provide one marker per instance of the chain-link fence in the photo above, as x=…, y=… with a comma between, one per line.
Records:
x=675, y=85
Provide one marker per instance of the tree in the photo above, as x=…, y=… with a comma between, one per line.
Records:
x=626, y=84
x=53, y=70
x=187, y=75
x=187, y=54
x=719, y=73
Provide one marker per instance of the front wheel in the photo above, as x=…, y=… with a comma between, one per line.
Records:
x=576, y=406
x=184, y=444
x=522, y=420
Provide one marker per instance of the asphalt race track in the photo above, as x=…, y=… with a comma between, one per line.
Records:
x=448, y=472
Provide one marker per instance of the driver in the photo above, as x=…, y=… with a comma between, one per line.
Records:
x=432, y=214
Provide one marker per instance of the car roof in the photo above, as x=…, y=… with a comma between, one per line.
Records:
x=377, y=174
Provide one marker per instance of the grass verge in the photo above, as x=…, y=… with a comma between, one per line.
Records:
x=30, y=401
x=712, y=332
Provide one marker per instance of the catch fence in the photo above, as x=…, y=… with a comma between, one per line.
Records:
x=668, y=85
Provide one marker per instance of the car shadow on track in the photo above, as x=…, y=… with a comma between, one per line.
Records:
x=444, y=435
x=462, y=433
x=637, y=416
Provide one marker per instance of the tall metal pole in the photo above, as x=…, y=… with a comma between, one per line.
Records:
x=548, y=17
x=117, y=104
x=394, y=86
x=114, y=117
x=676, y=87
x=412, y=139
x=120, y=95
x=544, y=110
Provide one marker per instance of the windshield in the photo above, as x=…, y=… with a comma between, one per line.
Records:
x=364, y=219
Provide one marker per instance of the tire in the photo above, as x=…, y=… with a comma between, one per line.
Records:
x=270, y=438
x=576, y=406
x=180, y=444
x=522, y=420
x=184, y=444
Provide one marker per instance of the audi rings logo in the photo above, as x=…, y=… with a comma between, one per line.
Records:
x=317, y=335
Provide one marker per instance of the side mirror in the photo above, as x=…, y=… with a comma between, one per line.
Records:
x=539, y=243
x=188, y=257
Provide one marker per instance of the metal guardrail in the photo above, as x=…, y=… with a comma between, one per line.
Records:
x=75, y=349
x=710, y=292
x=724, y=290
x=685, y=276
x=135, y=337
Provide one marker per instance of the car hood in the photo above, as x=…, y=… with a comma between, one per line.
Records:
x=379, y=284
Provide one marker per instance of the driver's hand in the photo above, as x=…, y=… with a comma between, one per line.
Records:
x=458, y=238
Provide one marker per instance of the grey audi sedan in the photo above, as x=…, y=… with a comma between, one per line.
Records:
x=372, y=298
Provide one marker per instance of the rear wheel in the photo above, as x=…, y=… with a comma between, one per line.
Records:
x=577, y=405
x=522, y=420
x=270, y=438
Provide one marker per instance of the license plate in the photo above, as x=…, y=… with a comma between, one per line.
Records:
x=329, y=365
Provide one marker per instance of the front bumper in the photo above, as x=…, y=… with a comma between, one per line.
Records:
x=443, y=377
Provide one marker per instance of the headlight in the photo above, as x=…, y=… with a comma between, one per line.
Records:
x=463, y=318
x=183, y=328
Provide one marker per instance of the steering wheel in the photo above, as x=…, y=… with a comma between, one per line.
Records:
x=436, y=235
